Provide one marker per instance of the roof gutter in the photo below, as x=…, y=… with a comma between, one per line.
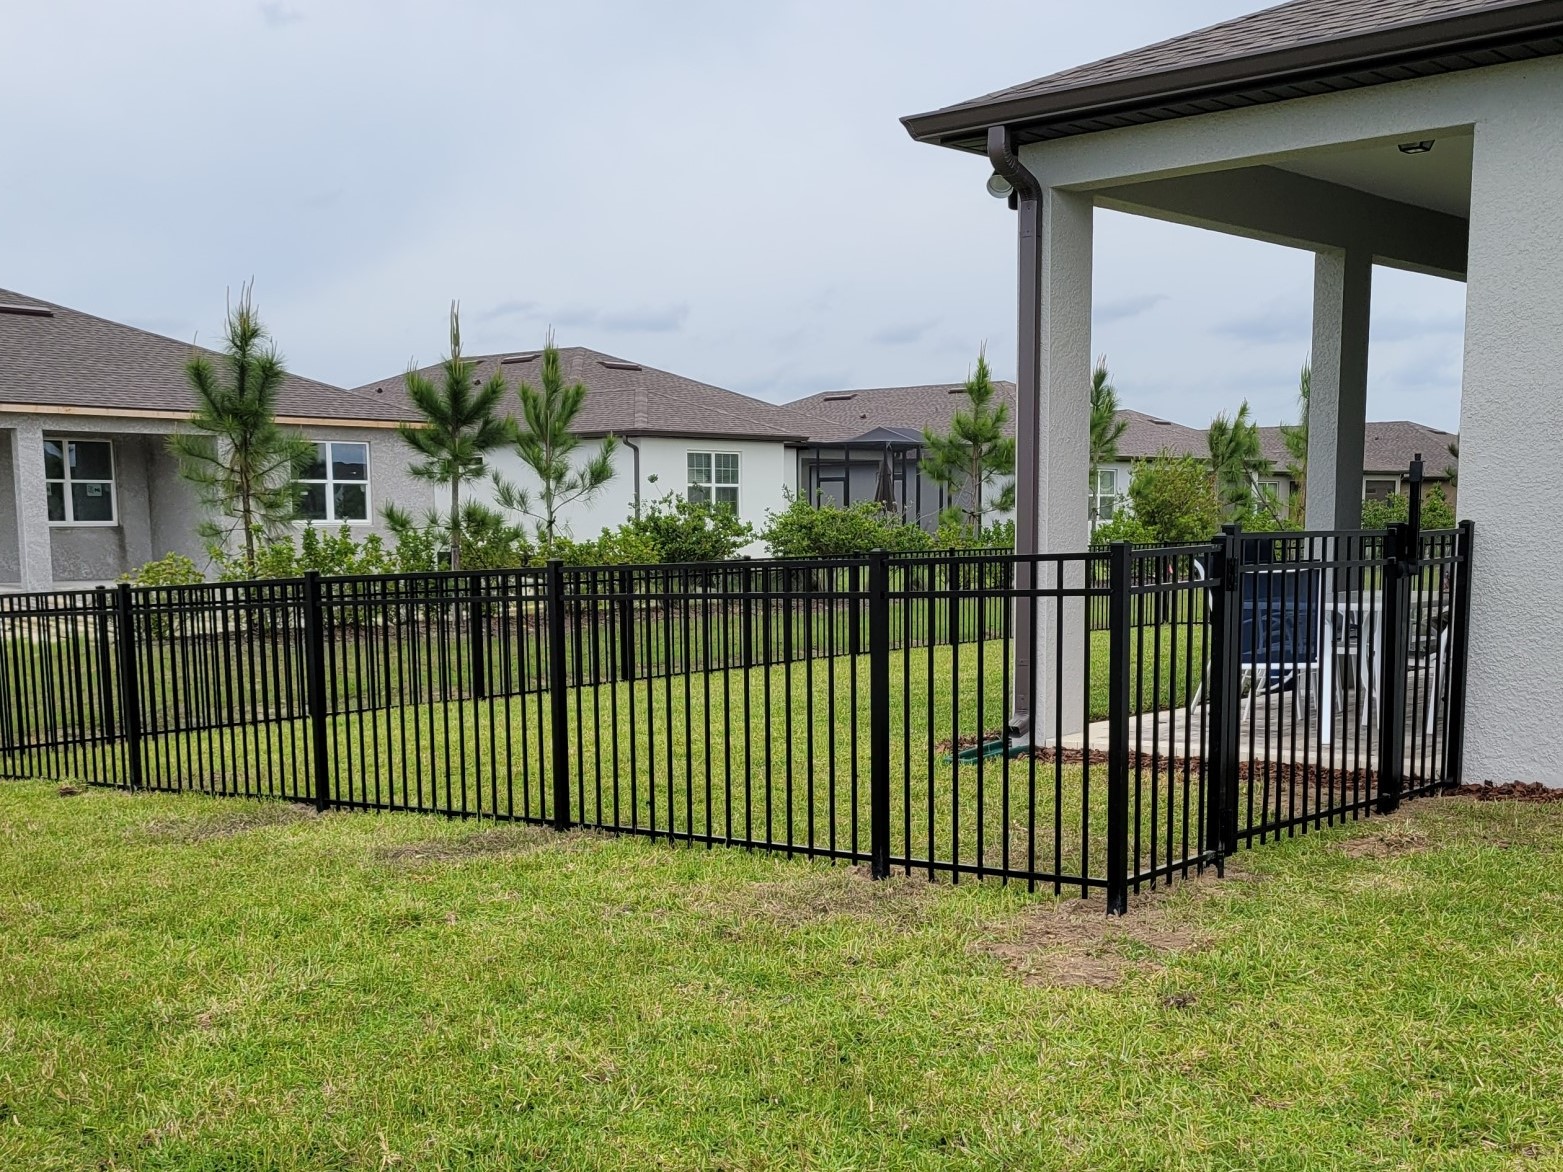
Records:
x=1147, y=96
x=1027, y=202
x=635, y=469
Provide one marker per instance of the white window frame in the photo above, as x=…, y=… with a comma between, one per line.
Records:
x=70, y=505
x=330, y=483
x=710, y=486
x=1098, y=497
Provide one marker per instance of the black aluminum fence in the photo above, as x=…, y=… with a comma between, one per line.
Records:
x=852, y=709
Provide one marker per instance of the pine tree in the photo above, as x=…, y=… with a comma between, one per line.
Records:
x=975, y=454
x=241, y=462
x=547, y=447
x=1106, y=428
x=461, y=423
x=1236, y=462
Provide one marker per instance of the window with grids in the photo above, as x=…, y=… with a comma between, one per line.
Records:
x=79, y=480
x=335, y=485
x=713, y=478
x=1104, y=494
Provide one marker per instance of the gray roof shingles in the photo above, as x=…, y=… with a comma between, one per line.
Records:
x=846, y=415
x=1290, y=50
x=628, y=398
x=1283, y=26
x=73, y=359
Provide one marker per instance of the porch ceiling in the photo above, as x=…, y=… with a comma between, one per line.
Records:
x=1410, y=211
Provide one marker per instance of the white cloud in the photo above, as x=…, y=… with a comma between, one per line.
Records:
x=720, y=190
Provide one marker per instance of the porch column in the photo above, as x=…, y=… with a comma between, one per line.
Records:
x=1062, y=443
x=1509, y=431
x=34, y=547
x=1338, y=394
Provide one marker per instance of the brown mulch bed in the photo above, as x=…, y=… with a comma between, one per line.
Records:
x=1510, y=791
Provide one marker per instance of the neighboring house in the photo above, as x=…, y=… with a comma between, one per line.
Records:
x=864, y=431
x=868, y=445
x=88, y=487
x=677, y=436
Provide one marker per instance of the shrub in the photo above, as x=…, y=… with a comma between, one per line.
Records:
x=613, y=547
x=1436, y=513
x=172, y=569
x=805, y=530
x=1124, y=526
x=328, y=554
x=1174, y=498
x=680, y=530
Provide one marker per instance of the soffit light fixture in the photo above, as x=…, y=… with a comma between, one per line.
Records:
x=998, y=186
x=1417, y=148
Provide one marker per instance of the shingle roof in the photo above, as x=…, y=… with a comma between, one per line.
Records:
x=1291, y=50
x=1388, y=446
x=61, y=357
x=628, y=398
x=846, y=415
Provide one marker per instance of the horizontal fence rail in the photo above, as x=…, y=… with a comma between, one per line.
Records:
x=1183, y=701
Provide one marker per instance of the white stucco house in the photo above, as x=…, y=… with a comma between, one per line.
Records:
x=677, y=437
x=1418, y=134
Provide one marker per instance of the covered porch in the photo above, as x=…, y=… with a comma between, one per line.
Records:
x=1450, y=166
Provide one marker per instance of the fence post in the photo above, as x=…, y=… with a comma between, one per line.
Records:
x=315, y=684
x=625, y=604
x=1394, y=617
x=1459, y=657
x=879, y=714
x=104, y=608
x=129, y=683
x=746, y=606
x=558, y=702
x=1223, y=698
x=477, y=636
x=1118, y=625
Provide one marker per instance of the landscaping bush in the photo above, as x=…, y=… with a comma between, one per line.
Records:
x=1436, y=513
x=805, y=530
x=329, y=554
x=1124, y=526
x=1174, y=498
x=678, y=530
x=172, y=569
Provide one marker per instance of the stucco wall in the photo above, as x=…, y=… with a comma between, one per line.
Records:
x=766, y=470
x=158, y=512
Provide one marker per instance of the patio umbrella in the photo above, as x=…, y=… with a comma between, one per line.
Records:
x=884, y=490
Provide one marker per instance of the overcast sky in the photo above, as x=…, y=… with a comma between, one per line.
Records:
x=719, y=189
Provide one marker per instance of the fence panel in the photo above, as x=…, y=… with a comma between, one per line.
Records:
x=60, y=687
x=1164, y=706
x=971, y=794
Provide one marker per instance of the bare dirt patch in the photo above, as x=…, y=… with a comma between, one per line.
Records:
x=1386, y=842
x=816, y=895
x=1075, y=944
x=239, y=819
x=70, y=791
x=498, y=840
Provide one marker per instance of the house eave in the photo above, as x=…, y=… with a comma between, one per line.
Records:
x=1398, y=53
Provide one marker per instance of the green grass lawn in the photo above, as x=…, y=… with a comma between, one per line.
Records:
x=194, y=983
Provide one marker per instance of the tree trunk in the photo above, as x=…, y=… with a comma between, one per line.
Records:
x=455, y=524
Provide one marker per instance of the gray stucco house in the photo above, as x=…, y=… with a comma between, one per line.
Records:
x=88, y=488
